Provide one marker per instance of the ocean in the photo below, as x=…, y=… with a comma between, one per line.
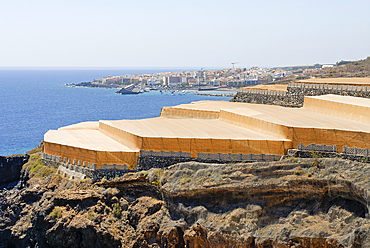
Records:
x=33, y=101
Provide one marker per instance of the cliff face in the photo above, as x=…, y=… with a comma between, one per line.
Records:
x=10, y=168
x=291, y=203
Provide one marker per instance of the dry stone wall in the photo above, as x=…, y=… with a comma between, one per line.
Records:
x=146, y=161
x=294, y=96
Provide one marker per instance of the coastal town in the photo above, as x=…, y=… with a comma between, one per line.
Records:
x=221, y=79
x=232, y=77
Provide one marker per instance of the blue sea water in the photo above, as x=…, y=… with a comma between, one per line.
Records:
x=33, y=101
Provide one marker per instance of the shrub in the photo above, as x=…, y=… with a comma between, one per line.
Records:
x=117, y=210
x=185, y=180
x=298, y=171
x=160, y=178
x=86, y=180
x=144, y=173
x=90, y=215
x=56, y=213
x=293, y=159
x=46, y=171
x=104, y=179
x=34, y=166
x=34, y=157
x=35, y=150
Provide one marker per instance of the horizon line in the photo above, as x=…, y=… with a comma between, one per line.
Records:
x=144, y=67
x=106, y=67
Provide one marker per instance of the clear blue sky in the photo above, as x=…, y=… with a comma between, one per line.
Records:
x=176, y=33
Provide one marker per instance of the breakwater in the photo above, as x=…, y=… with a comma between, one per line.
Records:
x=222, y=95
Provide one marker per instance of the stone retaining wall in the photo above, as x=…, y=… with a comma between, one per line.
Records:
x=146, y=163
x=306, y=154
x=78, y=172
x=294, y=96
x=323, y=151
x=281, y=100
x=148, y=160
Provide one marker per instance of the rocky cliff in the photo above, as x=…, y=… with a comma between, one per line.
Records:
x=291, y=203
x=10, y=168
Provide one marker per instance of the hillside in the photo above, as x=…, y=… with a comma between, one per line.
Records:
x=360, y=68
x=295, y=202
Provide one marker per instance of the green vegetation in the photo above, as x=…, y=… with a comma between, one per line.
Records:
x=144, y=173
x=46, y=171
x=298, y=171
x=117, y=210
x=37, y=168
x=185, y=179
x=160, y=176
x=35, y=150
x=86, y=180
x=34, y=157
x=16, y=155
x=364, y=160
x=104, y=179
x=343, y=62
x=90, y=215
x=293, y=159
x=56, y=213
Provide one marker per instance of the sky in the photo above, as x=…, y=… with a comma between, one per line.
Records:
x=182, y=33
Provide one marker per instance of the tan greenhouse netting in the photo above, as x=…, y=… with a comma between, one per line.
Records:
x=90, y=156
x=195, y=146
x=339, y=138
x=93, y=125
x=240, y=129
x=343, y=81
x=129, y=139
x=271, y=87
x=351, y=108
x=173, y=112
x=259, y=125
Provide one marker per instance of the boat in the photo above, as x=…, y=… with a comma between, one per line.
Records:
x=207, y=88
x=129, y=89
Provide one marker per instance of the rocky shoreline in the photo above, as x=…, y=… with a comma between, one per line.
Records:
x=295, y=202
x=92, y=85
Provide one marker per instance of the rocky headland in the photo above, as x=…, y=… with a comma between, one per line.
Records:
x=296, y=202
